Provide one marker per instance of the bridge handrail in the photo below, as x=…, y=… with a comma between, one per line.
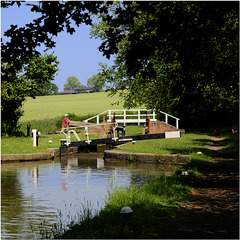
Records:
x=139, y=115
x=96, y=116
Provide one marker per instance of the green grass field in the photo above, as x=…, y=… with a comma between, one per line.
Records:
x=48, y=107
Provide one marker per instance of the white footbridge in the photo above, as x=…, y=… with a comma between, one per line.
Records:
x=121, y=117
x=134, y=116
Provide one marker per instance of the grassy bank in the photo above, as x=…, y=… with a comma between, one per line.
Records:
x=151, y=204
x=49, y=107
x=154, y=202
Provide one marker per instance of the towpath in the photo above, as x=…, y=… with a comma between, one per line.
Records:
x=212, y=210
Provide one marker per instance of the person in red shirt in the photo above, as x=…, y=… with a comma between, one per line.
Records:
x=65, y=123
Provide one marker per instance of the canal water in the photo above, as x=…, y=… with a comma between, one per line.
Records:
x=36, y=195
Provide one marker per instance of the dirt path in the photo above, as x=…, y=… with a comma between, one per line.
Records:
x=213, y=208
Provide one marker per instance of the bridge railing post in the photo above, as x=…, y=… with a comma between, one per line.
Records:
x=154, y=115
x=109, y=115
x=97, y=119
x=139, y=117
x=124, y=117
x=166, y=118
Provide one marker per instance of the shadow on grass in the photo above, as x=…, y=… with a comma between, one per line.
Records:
x=201, y=224
x=200, y=165
x=190, y=150
x=201, y=145
x=110, y=224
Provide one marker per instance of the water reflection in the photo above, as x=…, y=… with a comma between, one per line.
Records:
x=35, y=176
x=32, y=192
x=100, y=163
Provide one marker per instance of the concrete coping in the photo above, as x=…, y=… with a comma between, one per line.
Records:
x=147, y=157
x=108, y=154
x=26, y=157
x=20, y=157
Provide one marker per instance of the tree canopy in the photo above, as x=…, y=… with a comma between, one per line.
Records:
x=97, y=81
x=35, y=75
x=178, y=57
x=48, y=88
x=72, y=82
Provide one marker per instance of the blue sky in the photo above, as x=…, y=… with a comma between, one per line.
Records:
x=78, y=54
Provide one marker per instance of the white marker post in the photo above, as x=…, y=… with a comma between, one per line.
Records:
x=34, y=132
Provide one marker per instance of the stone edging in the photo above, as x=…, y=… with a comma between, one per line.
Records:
x=147, y=157
x=108, y=154
x=19, y=157
x=26, y=157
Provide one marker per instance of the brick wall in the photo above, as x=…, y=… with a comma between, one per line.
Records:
x=158, y=127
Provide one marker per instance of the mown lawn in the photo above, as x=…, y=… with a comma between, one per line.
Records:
x=187, y=144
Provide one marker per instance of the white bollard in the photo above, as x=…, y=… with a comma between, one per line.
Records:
x=34, y=131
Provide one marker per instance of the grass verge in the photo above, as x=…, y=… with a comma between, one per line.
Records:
x=189, y=143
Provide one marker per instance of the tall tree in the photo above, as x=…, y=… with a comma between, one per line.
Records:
x=179, y=57
x=72, y=82
x=97, y=82
x=35, y=73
